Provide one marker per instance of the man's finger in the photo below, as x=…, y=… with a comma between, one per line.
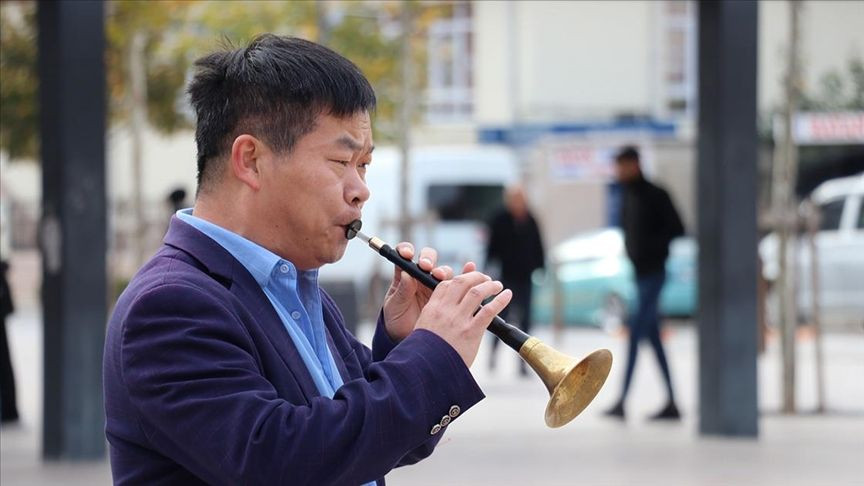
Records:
x=428, y=258
x=461, y=284
x=405, y=250
x=443, y=273
x=488, y=312
x=478, y=293
x=452, y=291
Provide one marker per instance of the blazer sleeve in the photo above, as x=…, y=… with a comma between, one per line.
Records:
x=191, y=371
x=382, y=344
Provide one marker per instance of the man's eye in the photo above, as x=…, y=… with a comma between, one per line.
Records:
x=340, y=162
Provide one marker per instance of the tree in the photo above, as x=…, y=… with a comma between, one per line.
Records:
x=838, y=90
x=19, y=109
x=178, y=32
x=164, y=68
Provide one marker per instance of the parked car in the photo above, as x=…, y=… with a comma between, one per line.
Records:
x=595, y=279
x=839, y=251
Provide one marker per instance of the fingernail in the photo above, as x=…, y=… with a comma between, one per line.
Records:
x=426, y=260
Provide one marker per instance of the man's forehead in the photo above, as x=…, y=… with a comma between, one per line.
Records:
x=353, y=132
x=347, y=141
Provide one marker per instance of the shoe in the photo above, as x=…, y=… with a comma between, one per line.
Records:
x=617, y=411
x=669, y=412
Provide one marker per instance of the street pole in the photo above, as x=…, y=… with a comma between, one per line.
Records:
x=406, y=112
x=137, y=124
x=73, y=242
x=726, y=226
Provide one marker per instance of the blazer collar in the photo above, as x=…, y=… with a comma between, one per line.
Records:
x=225, y=268
x=215, y=259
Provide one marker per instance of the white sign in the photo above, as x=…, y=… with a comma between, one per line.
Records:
x=589, y=160
x=829, y=128
x=574, y=161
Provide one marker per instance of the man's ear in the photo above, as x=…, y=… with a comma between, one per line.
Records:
x=246, y=154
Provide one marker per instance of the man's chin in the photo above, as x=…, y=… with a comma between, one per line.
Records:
x=336, y=254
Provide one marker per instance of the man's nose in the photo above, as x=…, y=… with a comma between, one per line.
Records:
x=357, y=191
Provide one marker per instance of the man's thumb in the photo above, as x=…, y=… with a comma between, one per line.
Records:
x=406, y=286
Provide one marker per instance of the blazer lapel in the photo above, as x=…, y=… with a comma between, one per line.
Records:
x=223, y=266
x=249, y=292
x=337, y=357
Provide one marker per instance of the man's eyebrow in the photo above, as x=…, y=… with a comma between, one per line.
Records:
x=351, y=144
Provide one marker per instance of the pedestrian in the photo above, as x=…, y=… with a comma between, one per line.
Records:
x=515, y=247
x=8, y=405
x=649, y=222
x=225, y=363
x=8, y=400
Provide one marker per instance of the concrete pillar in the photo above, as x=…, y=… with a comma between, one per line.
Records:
x=727, y=218
x=72, y=232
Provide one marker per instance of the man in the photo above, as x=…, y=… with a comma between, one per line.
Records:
x=516, y=247
x=650, y=223
x=8, y=400
x=224, y=361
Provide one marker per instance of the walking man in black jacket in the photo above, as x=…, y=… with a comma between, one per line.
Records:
x=649, y=222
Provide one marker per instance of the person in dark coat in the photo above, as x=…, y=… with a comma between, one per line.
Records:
x=516, y=247
x=649, y=222
x=8, y=406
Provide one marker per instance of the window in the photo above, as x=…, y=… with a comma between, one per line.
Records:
x=861, y=214
x=464, y=202
x=449, y=82
x=831, y=212
x=677, y=58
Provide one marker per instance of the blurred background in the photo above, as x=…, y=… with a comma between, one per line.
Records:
x=474, y=97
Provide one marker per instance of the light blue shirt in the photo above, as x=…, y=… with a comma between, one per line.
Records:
x=293, y=294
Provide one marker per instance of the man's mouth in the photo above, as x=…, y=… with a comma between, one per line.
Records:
x=352, y=228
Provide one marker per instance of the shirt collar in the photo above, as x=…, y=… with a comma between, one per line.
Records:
x=258, y=260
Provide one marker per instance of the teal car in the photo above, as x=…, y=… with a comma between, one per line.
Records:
x=595, y=281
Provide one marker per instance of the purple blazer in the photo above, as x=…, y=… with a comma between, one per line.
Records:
x=203, y=384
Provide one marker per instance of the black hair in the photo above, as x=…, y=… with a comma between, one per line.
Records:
x=273, y=89
x=628, y=154
x=177, y=196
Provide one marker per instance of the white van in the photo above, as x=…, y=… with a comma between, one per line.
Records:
x=840, y=253
x=453, y=191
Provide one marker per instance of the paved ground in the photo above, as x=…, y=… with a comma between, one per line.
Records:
x=503, y=440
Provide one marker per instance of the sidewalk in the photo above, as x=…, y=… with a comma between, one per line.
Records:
x=503, y=440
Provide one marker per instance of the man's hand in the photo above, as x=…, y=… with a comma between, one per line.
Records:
x=406, y=297
x=449, y=311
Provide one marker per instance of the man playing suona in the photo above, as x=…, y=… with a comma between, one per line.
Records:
x=225, y=363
